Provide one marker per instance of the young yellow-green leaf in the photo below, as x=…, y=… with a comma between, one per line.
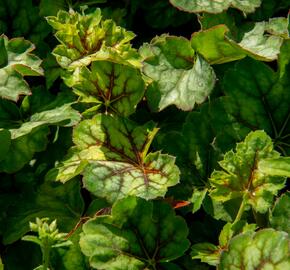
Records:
x=263, y=42
x=179, y=76
x=276, y=166
x=16, y=61
x=86, y=38
x=265, y=249
x=117, y=87
x=241, y=177
x=138, y=235
x=215, y=6
x=280, y=214
x=111, y=153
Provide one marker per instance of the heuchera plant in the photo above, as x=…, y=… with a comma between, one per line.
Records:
x=144, y=135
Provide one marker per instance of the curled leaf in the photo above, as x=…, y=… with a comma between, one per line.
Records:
x=86, y=38
x=16, y=61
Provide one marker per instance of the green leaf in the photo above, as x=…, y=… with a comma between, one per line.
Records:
x=30, y=137
x=86, y=38
x=197, y=199
x=280, y=214
x=5, y=138
x=115, y=151
x=138, y=234
x=206, y=252
x=215, y=6
x=117, y=87
x=22, y=19
x=276, y=166
x=16, y=62
x=210, y=253
x=241, y=177
x=265, y=249
x=179, y=76
x=257, y=98
x=56, y=201
x=263, y=42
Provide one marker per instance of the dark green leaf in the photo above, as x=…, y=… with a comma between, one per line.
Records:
x=137, y=235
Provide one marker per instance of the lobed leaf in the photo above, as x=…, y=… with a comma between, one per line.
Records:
x=179, y=76
x=257, y=98
x=241, y=176
x=138, y=234
x=16, y=61
x=111, y=153
x=268, y=249
x=118, y=88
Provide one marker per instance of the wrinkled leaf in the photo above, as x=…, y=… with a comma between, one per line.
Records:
x=86, y=38
x=111, y=152
x=215, y=6
x=137, y=235
x=16, y=61
x=117, y=87
x=265, y=249
x=179, y=76
x=280, y=214
x=241, y=177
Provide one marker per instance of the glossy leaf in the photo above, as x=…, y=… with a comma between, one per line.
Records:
x=16, y=61
x=179, y=76
x=114, y=151
x=86, y=38
x=267, y=249
x=280, y=214
x=215, y=6
x=241, y=177
x=135, y=236
x=117, y=87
